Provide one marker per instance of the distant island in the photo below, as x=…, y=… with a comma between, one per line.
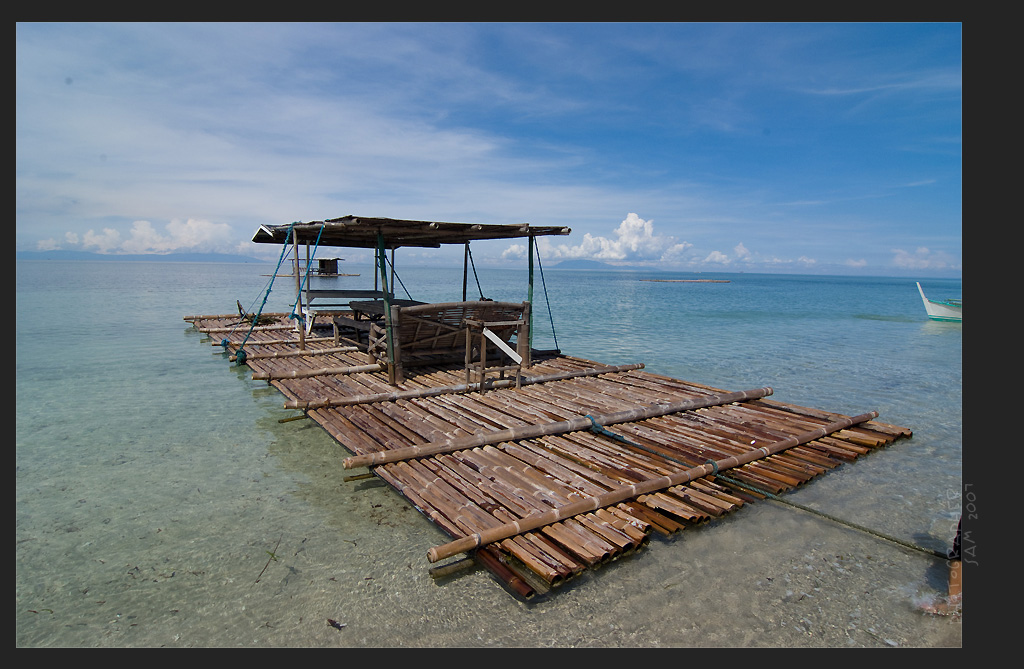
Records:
x=151, y=257
x=689, y=280
x=596, y=264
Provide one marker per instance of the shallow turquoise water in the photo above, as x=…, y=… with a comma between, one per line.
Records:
x=153, y=479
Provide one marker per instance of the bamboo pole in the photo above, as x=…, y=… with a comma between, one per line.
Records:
x=303, y=374
x=265, y=342
x=306, y=352
x=612, y=497
x=258, y=328
x=228, y=316
x=546, y=429
x=395, y=395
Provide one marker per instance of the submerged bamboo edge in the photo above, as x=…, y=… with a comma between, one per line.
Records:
x=623, y=494
x=545, y=429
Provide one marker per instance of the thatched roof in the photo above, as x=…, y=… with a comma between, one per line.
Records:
x=362, y=232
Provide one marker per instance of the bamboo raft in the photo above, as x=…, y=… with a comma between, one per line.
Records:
x=568, y=466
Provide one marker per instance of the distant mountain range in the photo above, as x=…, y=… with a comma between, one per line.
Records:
x=152, y=257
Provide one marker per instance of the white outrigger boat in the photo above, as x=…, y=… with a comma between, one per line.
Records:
x=946, y=310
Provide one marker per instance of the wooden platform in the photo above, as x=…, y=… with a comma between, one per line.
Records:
x=473, y=479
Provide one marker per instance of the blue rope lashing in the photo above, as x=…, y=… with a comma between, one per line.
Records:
x=240, y=355
x=305, y=278
x=597, y=428
x=225, y=342
x=545, y=286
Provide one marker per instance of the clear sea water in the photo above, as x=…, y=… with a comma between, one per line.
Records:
x=160, y=502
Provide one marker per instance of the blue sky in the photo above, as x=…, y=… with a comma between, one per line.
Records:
x=800, y=148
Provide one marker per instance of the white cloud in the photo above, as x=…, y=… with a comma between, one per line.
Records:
x=189, y=235
x=514, y=252
x=104, y=242
x=193, y=234
x=922, y=258
x=269, y=123
x=718, y=258
x=634, y=241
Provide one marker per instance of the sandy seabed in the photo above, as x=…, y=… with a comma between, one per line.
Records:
x=281, y=554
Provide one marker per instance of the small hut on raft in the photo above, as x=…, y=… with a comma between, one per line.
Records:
x=538, y=464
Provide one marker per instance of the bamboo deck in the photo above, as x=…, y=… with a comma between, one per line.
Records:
x=474, y=476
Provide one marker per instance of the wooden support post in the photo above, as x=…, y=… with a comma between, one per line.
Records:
x=524, y=338
x=465, y=271
x=298, y=295
x=388, y=321
x=396, y=371
x=529, y=294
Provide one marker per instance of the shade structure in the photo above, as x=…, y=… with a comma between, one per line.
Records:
x=367, y=232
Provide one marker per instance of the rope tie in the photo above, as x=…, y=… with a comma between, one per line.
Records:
x=544, y=284
x=240, y=353
x=394, y=272
x=867, y=530
x=469, y=254
x=597, y=428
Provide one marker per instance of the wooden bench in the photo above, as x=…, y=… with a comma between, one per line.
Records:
x=446, y=332
x=317, y=298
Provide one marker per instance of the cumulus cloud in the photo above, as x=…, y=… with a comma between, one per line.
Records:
x=634, y=241
x=514, y=252
x=717, y=258
x=188, y=235
x=47, y=245
x=104, y=242
x=922, y=258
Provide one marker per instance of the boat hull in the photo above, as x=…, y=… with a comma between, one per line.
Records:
x=941, y=311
